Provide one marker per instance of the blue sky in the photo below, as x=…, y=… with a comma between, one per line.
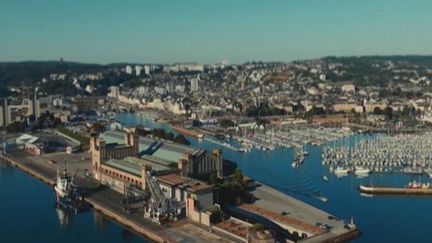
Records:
x=209, y=31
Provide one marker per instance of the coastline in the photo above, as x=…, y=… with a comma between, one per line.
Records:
x=122, y=218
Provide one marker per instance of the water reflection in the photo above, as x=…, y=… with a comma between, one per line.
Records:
x=6, y=169
x=99, y=220
x=127, y=236
x=64, y=216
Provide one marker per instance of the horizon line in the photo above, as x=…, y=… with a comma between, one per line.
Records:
x=229, y=63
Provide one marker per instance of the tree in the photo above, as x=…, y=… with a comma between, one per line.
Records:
x=377, y=111
x=257, y=227
x=388, y=113
x=213, y=179
x=181, y=139
x=238, y=176
x=196, y=123
x=98, y=128
x=15, y=127
x=226, y=123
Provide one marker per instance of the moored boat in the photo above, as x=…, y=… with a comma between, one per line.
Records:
x=339, y=171
x=360, y=171
x=413, y=188
x=67, y=194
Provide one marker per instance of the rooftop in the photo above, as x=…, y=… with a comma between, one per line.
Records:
x=167, y=151
x=190, y=185
x=133, y=165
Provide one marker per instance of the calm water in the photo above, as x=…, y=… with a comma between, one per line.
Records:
x=381, y=219
x=28, y=214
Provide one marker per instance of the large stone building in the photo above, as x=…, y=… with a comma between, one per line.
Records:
x=195, y=163
x=122, y=164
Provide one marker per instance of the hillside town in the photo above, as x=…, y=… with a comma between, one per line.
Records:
x=371, y=90
x=68, y=113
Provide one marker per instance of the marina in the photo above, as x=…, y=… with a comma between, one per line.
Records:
x=64, y=187
x=307, y=183
x=408, y=154
x=289, y=136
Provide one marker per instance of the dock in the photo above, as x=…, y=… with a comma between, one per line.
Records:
x=297, y=216
x=108, y=202
x=186, y=132
x=395, y=190
x=225, y=145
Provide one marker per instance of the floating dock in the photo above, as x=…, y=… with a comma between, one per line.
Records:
x=395, y=190
x=225, y=145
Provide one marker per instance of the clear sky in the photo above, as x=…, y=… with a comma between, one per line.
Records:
x=208, y=31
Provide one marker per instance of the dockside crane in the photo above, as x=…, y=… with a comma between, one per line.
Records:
x=159, y=208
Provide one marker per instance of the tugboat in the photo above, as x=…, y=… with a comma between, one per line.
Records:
x=67, y=194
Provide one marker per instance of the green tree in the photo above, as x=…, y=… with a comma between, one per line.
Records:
x=213, y=179
x=98, y=128
x=377, y=111
x=15, y=127
x=226, y=123
x=238, y=176
x=181, y=139
x=388, y=113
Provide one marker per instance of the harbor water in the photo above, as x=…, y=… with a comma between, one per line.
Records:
x=380, y=218
x=29, y=214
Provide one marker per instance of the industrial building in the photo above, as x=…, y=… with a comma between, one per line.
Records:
x=191, y=162
x=160, y=169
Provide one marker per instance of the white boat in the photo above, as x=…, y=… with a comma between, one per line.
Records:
x=63, y=186
x=360, y=171
x=341, y=171
x=325, y=178
x=322, y=198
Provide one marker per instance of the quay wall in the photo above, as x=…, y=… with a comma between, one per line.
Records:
x=28, y=170
x=185, y=131
x=125, y=221
x=97, y=204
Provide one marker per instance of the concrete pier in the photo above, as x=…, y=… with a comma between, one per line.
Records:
x=297, y=216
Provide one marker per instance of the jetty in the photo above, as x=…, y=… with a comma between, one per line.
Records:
x=298, y=217
x=225, y=145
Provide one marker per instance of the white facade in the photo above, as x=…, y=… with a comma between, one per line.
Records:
x=128, y=69
x=194, y=85
x=180, y=88
x=138, y=70
x=348, y=88
x=322, y=77
x=114, y=91
x=147, y=70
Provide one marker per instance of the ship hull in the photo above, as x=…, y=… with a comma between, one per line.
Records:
x=395, y=190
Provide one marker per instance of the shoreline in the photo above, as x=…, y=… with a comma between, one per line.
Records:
x=97, y=204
